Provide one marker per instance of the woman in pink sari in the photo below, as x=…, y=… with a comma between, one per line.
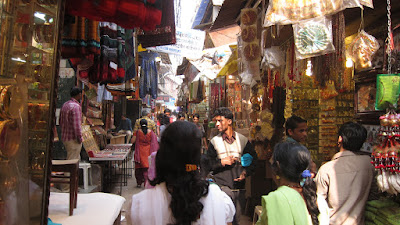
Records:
x=145, y=143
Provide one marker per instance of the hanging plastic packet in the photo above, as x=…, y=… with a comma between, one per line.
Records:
x=313, y=37
x=387, y=90
x=292, y=11
x=273, y=57
x=362, y=49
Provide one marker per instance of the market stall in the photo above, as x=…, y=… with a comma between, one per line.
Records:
x=33, y=79
x=29, y=56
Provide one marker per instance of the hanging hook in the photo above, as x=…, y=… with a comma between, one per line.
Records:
x=362, y=21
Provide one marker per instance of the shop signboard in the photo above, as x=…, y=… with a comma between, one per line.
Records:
x=189, y=43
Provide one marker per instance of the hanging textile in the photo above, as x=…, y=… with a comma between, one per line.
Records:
x=109, y=52
x=200, y=91
x=127, y=58
x=164, y=34
x=338, y=58
x=80, y=37
x=145, y=14
x=116, y=62
x=127, y=88
x=103, y=94
x=148, y=75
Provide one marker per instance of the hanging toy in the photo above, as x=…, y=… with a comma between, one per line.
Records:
x=385, y=156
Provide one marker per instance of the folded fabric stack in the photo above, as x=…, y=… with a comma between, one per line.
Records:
x=382, y=212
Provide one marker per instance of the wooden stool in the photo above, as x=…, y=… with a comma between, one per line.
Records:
x=71, y=167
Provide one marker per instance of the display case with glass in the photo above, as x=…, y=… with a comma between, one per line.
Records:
x=28, y=65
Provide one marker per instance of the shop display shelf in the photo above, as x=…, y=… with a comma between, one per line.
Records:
x=38, y=101
x=48, y=9
x=7, y=81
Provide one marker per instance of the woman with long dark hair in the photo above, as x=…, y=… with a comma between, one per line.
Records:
x=181, y=196
x=295, y=200
x=145, y=143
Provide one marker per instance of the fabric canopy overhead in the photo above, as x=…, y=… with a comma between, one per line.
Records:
x=231, y=66
x=181, y=68
x=212, y=61
x=204, y=13
x=228, y=13
x=224, y=36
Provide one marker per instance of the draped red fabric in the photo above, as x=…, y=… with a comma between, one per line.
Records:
x=125, y=13
x=163, y=34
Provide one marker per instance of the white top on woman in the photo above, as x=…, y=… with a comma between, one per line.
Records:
x=151, y=207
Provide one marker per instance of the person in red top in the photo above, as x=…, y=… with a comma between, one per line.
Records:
x=71, y=122
x=145, y=144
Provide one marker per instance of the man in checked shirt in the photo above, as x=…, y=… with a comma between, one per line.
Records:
x=71, y=123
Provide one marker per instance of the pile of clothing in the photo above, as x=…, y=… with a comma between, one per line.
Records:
x=382, y=212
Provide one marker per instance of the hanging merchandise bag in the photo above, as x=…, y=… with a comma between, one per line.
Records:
x=313, y=37
x=293, y=11
x=249, y=53
x=362, y=50
x=273, y=58
x=387, y=90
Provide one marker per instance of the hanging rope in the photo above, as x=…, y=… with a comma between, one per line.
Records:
x=362, y=21
x=389, y=38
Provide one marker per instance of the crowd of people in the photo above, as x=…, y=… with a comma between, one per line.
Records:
x=194, y=181
x=189, y=180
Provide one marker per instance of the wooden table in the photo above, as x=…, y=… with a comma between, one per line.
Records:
x=114, y=160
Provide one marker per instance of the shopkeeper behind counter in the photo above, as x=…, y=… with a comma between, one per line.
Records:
x=296, y=131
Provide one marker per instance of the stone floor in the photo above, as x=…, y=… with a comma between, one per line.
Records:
x=131, y=189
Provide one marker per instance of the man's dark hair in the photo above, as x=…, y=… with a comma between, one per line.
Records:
x=180, y=115
x=164, y=119
x=353, y=136
x=75, y=91
x=293, y=122
x=167, y=111
x=196, y=115
x=225, y=112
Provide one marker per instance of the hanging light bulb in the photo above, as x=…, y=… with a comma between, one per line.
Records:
x=349, y=63
x=309, y=68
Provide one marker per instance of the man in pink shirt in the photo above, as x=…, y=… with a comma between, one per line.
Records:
x=71, y=124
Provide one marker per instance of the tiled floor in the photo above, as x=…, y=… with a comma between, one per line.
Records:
x=131, y=189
